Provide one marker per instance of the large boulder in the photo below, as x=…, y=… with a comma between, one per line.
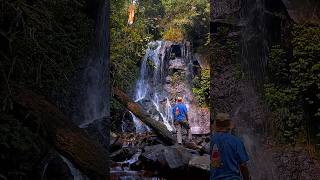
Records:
x=123, y=154
x=174, y=162
x=167, y=157
x=200, y=162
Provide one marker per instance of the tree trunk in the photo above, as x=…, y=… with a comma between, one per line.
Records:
x=159, y=128
x=72, y=142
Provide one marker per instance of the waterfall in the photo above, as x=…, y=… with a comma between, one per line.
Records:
x=77, y=175
x=254, y=43
x=134, y=158
x=142, y=86
x=93, y=92
x=169, y=114
x=44, y=170
x=138, y=124
x=149, y=86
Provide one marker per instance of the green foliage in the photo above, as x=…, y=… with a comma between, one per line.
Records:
x=238, y=72
x=201, y=88
x=173, y=20
x=20, y=149
x=225, y=48
x=293, y=88
x=173, y=34
x=128, y=44
x=190, y=20
x=178, y=77
x=44, y=41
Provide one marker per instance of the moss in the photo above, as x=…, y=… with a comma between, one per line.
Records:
x=201, y=87
x=293, y=86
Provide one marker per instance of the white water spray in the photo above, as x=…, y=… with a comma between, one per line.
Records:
x=150, y=88
x=77, y=175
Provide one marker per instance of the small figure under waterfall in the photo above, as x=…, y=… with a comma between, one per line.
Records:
x=180, y=116
x=228, y=153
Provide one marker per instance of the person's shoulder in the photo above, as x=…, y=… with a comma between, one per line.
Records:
x=233, y=138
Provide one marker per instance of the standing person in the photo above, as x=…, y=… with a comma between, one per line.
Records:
x=180, y=116
x=228, y=153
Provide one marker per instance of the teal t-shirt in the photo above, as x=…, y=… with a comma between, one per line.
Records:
x=232, y=153
x=182, y=112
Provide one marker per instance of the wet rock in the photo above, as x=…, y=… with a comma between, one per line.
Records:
x=153, y=153
x=177, y=65
x=303, y=11
x=172, y=157
x=206, y=147
x=226, y=11
x=200, y=162
x=123, y=154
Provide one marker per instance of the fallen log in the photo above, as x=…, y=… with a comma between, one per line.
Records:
x=69, y=140
x=159, y=128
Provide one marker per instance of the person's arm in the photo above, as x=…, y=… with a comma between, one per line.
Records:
x=243, y=158
x=186, y=112
x=245, y=171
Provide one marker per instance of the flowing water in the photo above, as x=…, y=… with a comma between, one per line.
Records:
x=254, y=49
x=92, y=101
x=149, y=87
x=156, y=93
x=77, y=175
x=94, y=92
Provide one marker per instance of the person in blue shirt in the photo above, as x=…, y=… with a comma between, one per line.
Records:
x=180, y=116
x=228, y=153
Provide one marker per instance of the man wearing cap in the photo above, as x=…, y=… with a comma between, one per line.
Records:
x=228, y=153
x=180, y=116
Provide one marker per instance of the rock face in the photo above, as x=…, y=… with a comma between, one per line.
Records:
x=225, y=11
x=179, y=83
x=302, y=11
x=261, y=23
x=289, y=160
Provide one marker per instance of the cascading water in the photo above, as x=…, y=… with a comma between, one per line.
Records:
x=77, y=175
x=169, y=113
x=150, y=89
x=140, y=127
x=94, y=90
x=134, y=158
x=92, y=100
